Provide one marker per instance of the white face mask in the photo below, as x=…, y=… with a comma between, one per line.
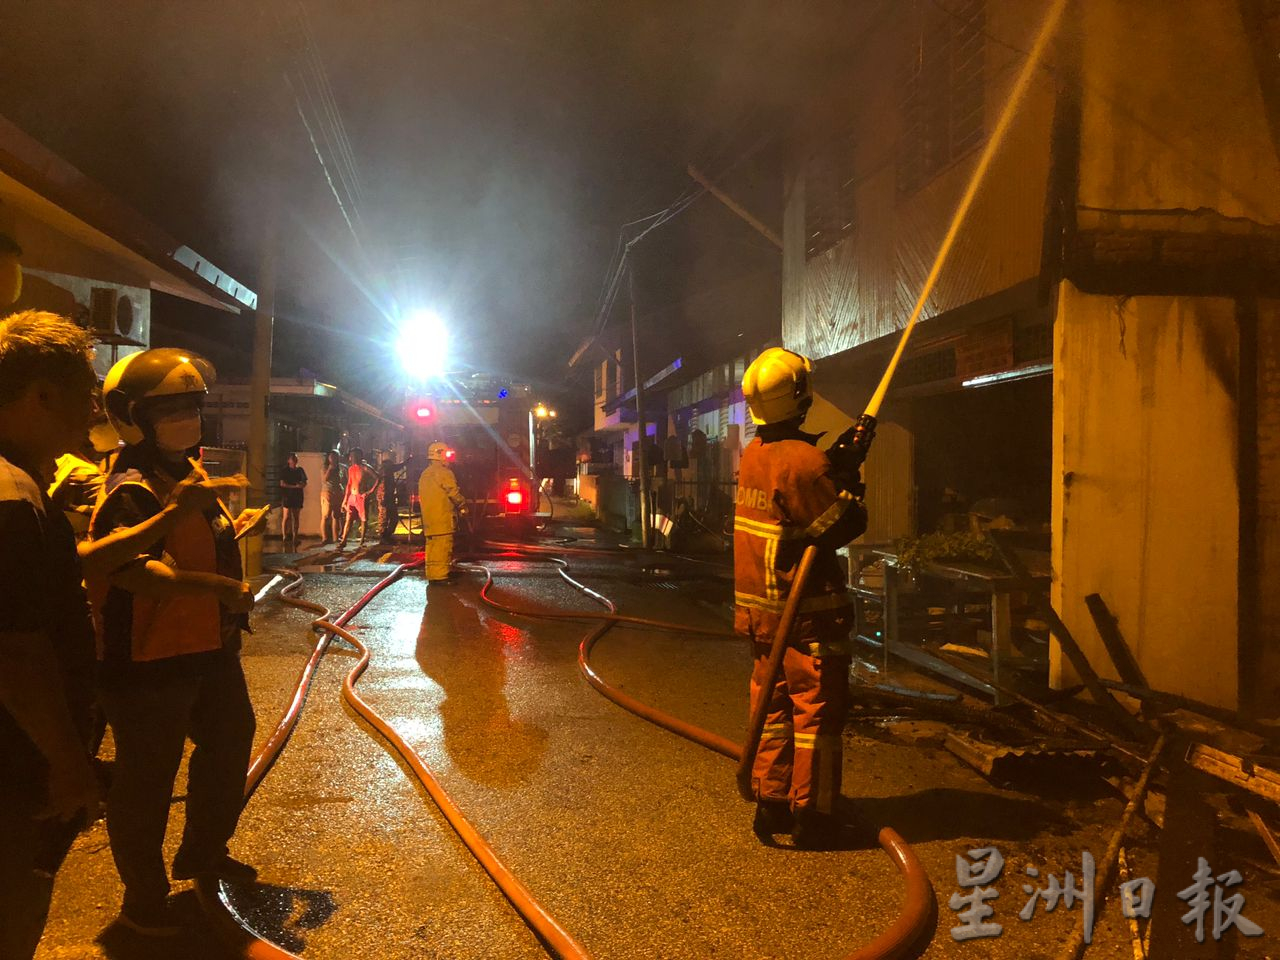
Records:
x=178, y=431
x=103, y=438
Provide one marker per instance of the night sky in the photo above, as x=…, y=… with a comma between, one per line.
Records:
x=495, y=148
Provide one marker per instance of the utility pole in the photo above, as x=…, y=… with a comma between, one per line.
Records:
x=260, y=388
x=642, y=457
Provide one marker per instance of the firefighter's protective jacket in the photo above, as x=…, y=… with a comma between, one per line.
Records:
x=788, y=499
x=438, y=495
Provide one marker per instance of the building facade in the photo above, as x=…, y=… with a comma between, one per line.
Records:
x=85, y=254
x=1110, y=297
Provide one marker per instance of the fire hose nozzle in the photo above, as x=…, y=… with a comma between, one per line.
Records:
x=851, y=447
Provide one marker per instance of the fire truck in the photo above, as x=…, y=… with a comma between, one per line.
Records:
x=486, y=423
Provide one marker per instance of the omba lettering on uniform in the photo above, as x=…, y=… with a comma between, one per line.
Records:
x=751, y=497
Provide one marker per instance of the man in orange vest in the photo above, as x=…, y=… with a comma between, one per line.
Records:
x=790, y=495
x=169, y=624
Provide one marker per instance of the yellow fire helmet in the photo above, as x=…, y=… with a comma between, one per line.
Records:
x=776, y=386
x=148, y=375
x=438, y=451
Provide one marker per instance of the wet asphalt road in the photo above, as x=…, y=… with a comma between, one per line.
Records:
x=634, y=839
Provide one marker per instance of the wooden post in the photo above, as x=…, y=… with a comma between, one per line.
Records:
x=260, y=392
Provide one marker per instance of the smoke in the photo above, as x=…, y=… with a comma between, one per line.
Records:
x=499, y=146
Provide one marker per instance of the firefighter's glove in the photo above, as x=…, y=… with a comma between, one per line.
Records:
x=850, y=482
x=846, y=468
x=462, y=510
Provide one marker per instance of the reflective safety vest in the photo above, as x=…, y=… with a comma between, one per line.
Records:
x=786, y=501
x=158, y=629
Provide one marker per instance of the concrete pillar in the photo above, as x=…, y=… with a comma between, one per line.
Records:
x=1146, y=494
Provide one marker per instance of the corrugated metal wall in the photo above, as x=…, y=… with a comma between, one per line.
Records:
x=865, y=286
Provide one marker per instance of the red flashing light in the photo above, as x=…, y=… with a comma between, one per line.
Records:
x=423, y=413
x=450, y=454
x=515, y=497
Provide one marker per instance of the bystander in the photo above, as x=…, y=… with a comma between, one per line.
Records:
x=293, y=485
x=169, y=622
x=46, y=640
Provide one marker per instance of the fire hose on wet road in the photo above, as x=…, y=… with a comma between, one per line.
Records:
x=918, y=905
x=900, y=936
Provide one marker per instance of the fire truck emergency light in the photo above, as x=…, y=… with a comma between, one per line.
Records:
x=515, y=497
x=423, y=345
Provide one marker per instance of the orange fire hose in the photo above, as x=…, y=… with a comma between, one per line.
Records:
x=761, y=710
x=905, y=930
x=555, y=937
x=211, y=893
x=918, y=902
x=214, y=898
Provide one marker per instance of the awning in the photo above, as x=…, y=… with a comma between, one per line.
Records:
x=45, y=188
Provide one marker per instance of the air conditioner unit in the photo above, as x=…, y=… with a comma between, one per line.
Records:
x=110, y=312
x=102, y=311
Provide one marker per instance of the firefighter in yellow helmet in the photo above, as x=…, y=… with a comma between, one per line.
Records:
x=790, y=495
x=439, y=498
x=169, y=623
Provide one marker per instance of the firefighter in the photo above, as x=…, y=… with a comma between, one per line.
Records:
x=439, y=497
x=790, y=495
x=169, y=624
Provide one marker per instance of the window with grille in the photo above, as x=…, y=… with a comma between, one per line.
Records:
x=829, y=189
x=942, y=89
x=926, y=368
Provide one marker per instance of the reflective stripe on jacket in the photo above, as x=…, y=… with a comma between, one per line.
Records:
x=786, y=501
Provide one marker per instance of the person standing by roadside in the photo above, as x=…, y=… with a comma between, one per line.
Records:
x=293, y=484
x=389, y=499
x=46, y=637
x=331, y=487
x=439, y=499
x=361, y=480
x=169, y=622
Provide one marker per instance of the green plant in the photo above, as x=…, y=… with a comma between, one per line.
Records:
x=915, y=552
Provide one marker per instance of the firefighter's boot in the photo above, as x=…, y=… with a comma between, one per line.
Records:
x=815, y=831
x=772, y=817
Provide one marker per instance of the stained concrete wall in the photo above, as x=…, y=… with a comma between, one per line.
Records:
x=1264, y=659
x=1146, y=493
x=1173, y=116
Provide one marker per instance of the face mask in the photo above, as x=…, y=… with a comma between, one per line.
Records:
x=177, y=432
x=103, y=438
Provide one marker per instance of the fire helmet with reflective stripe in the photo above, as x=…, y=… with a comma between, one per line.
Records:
x=776, y=386
x=151, y=375
x=437, y=451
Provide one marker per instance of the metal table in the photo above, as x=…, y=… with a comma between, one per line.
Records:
x=977, y=578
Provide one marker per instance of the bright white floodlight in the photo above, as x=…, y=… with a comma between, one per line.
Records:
x=423, y=345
